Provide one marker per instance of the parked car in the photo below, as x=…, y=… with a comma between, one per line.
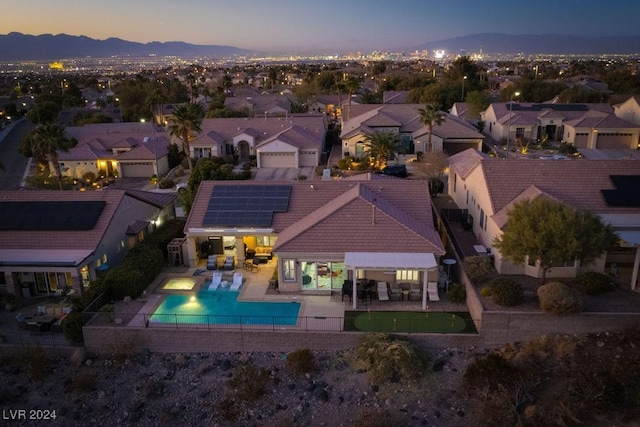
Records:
x=395, y=170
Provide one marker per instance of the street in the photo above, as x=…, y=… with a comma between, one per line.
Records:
x=14, y=163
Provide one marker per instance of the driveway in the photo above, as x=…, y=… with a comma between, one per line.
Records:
x=284, y=174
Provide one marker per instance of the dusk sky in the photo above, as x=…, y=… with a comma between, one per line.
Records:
x=317, y=26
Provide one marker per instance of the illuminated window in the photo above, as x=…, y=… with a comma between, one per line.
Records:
x=407, y=275
x=289, y=269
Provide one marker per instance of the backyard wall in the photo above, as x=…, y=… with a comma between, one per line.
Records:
x=99, y=339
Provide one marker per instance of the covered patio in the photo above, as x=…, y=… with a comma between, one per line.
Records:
x=384, y=267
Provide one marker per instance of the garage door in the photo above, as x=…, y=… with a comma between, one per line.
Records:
x=614, y=141
x=308, y=158
x=277, y=160
x=136, y=170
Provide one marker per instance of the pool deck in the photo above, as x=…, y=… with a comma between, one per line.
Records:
x=318, y=311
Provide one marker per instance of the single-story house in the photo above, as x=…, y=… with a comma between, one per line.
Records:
x=258, y=105
x=629, y=110
x=583, y=125
x=487, y=189
x=322, y=232
x=452, y=136
x=55, y=240
x=294, y=141
x=119, y=150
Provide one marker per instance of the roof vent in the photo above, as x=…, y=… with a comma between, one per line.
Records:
x=145, y=139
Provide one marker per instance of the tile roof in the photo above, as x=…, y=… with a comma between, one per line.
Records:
x=576, y=182
x=346, y=215
x=61, y=240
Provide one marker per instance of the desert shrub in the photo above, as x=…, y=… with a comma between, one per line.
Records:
x=300, y=361
x=377, y=417
x=485, y=291
x=166, y=183
x=83, y=381
x=457, y=293
x=593, y=283
x=506, y=292
x=388, y=358
x=35, y=362
x=536, y=353
x=557, y=298
x=248, y=383
x=489, y=371
x=108, y=312
x=477, y=267
x=72, y=327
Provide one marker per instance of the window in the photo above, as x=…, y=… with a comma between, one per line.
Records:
x=266, y=240
x=289, y=269
x=455, y=181
x=104, y=258
x=407, y=275
x=519, y=132
x=482, y=218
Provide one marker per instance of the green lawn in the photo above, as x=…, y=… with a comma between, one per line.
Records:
x=409, y=321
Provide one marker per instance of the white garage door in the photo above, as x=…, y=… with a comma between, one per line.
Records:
x=136, y=170
x=308, y=158
x=277, y=160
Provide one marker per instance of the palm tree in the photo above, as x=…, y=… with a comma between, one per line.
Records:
x=430, y=116
x=187, y=118
x=352, y=84
x=48, y=139
x=380, y=146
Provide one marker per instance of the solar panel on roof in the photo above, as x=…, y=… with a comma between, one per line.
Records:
x=627, y=192
x=246, y=205
x=50, y=216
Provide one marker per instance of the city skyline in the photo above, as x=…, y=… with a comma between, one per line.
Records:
x=329, y=26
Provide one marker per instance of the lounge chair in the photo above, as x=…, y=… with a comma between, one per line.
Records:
x=383, y=291
x=237, y=281
x=432, y=291
x=212, y=262
x=216, y=278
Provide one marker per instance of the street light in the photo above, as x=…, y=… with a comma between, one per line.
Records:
x=509, y=127
x=462, y=97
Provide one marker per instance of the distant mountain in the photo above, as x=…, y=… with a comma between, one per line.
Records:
x=18, y=46
x=533, y=44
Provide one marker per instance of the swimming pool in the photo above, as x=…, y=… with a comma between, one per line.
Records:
x=179, y=283
x=222, y=307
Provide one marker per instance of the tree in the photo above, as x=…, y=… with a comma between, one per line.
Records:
x=553, y=233
x=477, y=102
x=48, y=139
x=187, y=118
x=430, y=116
x=431, y=167
x=352, y=84
x=380, y=146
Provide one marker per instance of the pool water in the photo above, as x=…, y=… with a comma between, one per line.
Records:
x=223, y=307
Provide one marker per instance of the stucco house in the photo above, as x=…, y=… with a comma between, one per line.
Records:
x=583, y=125
x=487, y=189
x=629, y=110
x=260, y=105
x=120, y=150
x=322, y=232
x=56, y=240
x=452, y=136
x=294, y=141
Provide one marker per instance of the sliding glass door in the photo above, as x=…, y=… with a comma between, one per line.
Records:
x=322, y=275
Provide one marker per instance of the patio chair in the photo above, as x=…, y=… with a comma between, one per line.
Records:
x=237, y=281
x=216, y=278
x=395, y=291
x=432, y=291
x=383, y=291
x=415, y=290
x=212, y=262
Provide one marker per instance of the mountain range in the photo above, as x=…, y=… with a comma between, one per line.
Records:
x=17, y=46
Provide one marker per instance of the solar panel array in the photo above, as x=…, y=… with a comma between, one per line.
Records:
x=50, y=216
x=627, y=192
x=246, y=205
